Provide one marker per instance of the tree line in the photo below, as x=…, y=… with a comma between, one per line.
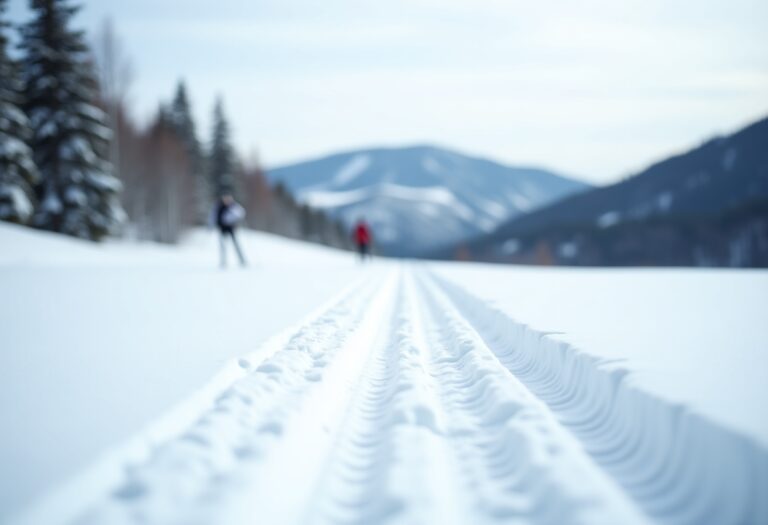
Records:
x=74, y=161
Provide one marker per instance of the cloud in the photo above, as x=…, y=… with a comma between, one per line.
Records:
x=595, y=87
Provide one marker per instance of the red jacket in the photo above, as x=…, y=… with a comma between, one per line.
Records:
x=362, y=234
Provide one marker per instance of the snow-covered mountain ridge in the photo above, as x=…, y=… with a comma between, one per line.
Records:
x=705, y=207
x=422, y=197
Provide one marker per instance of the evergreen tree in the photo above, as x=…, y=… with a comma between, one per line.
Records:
x=180, y=115
x=18, y=174
x=78, y=190
x=221, y=160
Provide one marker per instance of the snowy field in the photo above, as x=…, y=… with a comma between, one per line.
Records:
x=142, y=384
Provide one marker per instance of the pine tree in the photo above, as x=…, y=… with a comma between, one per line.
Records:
x=18, y=173
x=180, y=115
x=221, y=160
x=78, y=190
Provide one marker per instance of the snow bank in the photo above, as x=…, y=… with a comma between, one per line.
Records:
x=99, y=341
x=658, y=375
x=686, y=458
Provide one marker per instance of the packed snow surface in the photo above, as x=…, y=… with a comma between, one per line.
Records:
x=141, y=384
x=100, y=341
x=662, y=324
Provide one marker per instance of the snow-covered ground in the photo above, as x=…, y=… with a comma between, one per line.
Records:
x=692, y=336
x=100, y=341
x=141, y=384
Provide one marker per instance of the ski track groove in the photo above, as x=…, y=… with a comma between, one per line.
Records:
x=679, y=467
x=512, y=446
x=397, y=405
x=241, y=428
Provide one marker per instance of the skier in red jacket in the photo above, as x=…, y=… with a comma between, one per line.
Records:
x=363, y=238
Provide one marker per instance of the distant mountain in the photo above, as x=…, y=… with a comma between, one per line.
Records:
x=418, y=199
x=708, y=206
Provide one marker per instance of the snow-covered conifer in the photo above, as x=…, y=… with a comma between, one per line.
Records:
x=78, y=190
x=221, y=161
x=18, y=174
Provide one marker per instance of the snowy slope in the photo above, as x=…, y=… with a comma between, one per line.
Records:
x=416, y=393
x=421, y=198
x=705, y=207
x=100, y=341
x=660, y=324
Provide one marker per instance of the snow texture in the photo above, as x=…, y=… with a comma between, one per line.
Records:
x=69, y=138
x=353, y=169
x=18, y=173
x=608, y=219
x=511, y=246
x=14, y=203
x=629, y=397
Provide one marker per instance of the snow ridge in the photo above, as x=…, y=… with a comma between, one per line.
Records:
x=387, y=407
x=352, y=170
x=203, y=475
x=679, y=466
x=408, y=400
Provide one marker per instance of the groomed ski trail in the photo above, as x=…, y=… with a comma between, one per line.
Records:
x=388, y=407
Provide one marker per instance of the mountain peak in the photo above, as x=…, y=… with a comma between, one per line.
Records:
x=419, y=197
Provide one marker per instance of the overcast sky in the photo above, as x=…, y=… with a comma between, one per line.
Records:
x=593, y=88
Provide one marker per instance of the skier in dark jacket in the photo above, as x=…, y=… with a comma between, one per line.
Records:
x=226, y=215
x=363, y=238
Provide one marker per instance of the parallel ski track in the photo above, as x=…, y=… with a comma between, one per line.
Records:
x=678, y=466
x=387, y=408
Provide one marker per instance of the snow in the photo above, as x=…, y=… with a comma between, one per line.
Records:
x=352, y=169
x=140, y=383
x=51, y=203
x=608, y=219
x=694, y=337
x=103, y=181
x=485, y=224
x=99, y=130
x=672, y=409
x=11, y=147
x=75, y=195
x=431, y=165
x=428, y=194
x=729, y=158
x=83, y=325
x=19, y=204
x=474, y=195
x=91, y=111
x=332, y=199
x=521, y=202
x=436, y=194
x=49, y=129
x=38, y=115
x=12, y=114
x=568, y=249
x=510, y=246
x=496, y=210
x=665, y=200
x=76, y=148
x=429, y=209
